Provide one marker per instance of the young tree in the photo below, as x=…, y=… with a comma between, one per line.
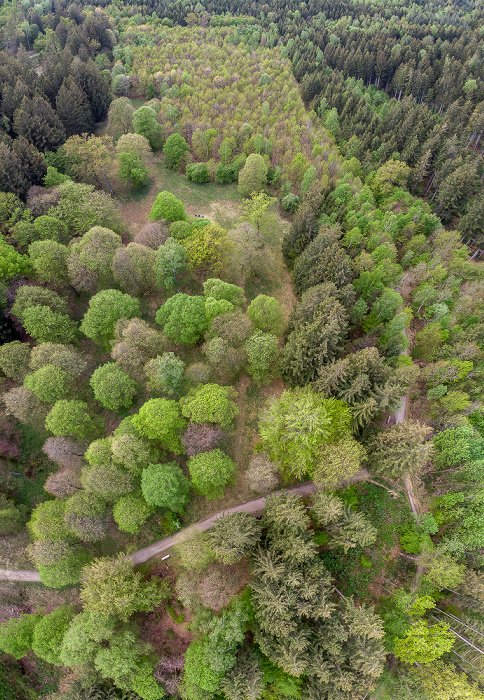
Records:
x=400, y=450
x=14, y=359
x=166, y=486
x=262, y=474
x=211, y=472
x=145, y=124
x=160, y=420
x=113, y=387
x=266, y=314
x=175, y=149
x=168, y=207
x=424, y=643
x=70, y=418
x=105, y=308
x=109, y=481
x=49, y=383
x=131, y=512
x=49, y=260
x=49, y=632
x=253, y=176
x=110, y=586
x=210, y=403
x=183, y=318
x=165, y=373
x=170, y=264
x=262, y=351
x=85, y=516
x=234, y=536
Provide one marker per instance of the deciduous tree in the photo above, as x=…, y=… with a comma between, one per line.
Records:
x=160, y=420
x=165, y=485
x=211, y=472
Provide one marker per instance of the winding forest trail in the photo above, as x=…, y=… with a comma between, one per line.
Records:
x=142, y=555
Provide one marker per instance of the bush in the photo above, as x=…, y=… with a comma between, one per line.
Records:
x=198, y=172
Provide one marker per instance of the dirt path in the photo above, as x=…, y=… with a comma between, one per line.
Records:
x=142, y=555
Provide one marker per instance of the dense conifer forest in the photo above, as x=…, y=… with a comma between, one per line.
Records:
x=241, y=350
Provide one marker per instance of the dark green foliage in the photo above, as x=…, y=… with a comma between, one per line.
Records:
x=322, y=261
x=38, y=123
x=198, y=172
x=165, y=485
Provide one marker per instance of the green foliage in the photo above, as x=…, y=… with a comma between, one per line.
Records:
x=46, y=325
x=211, y=472
x=210, y=403
x=217, y=289
x=170, y=263
x=266, y=314
x=165, y=373
x=85, y=516
x=105, y=308
x=253, y=176
x=49, y=383
x=109, y=481
x=83, y=638
x=14, y=359
x=198, y=172
x=262, y=352
x=110, y=586
x=453, y=447
x=49, y=260
x=11, y=262
x=70, y=418
x=16, y=635
x=165, y=485
x=400, y=450
x=133, y=170
x=113, y=387
x=424, y=643
x=145, y=124
x=160, y=420
x=47, y=521
x=294, y=428
x=168, y=207
x=131, y=512
x=49, y=633
x=175, y=149
x=197, y=672
x=183, y=318
x=234, y=536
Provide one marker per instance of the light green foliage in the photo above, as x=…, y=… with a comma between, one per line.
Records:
x=108, y=481
x=145, y=124
x=193, y=550
x=121, y=660
x=131, y=452
x=183, y=318
x=393, y=173
x=234, y=536
x=71, y=418
x=217, y=289
x=14, y=359
x=170, y=263
x=99, y=451
x=110, y=586
x=262, y=351
x=210, y=403
x=12, y=519
x=294, y=428
x=160, y=420
x=443, y=570
x=47, y=521
x=255, y=210
x=28, y=296
x=168, y=207
x=165, y=373
x=48, y=326
x=453, y=447
x=49, y=260
x=49, y=633
x=166, y=486
x=215, y=307
x=442, y=681
x=16, y=635
x=105, y=308
x=400, y=450
x=211, y=472
x=85, y=516
x=179, y=230
x=175, y=149
x=11, y=262
x=424, y=643
x=81, y=207
x=83, y=638
x=198, y=172
x=49, y=227
x=131, y=512
x=49, y=383
x=113, y=387
x=338, y=460
x=266, y=314
x=144, y=683
x=253, y=176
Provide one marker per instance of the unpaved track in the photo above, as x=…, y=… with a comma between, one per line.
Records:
x=142, y=555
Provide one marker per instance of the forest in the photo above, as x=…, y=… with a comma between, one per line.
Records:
x=241, y=350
